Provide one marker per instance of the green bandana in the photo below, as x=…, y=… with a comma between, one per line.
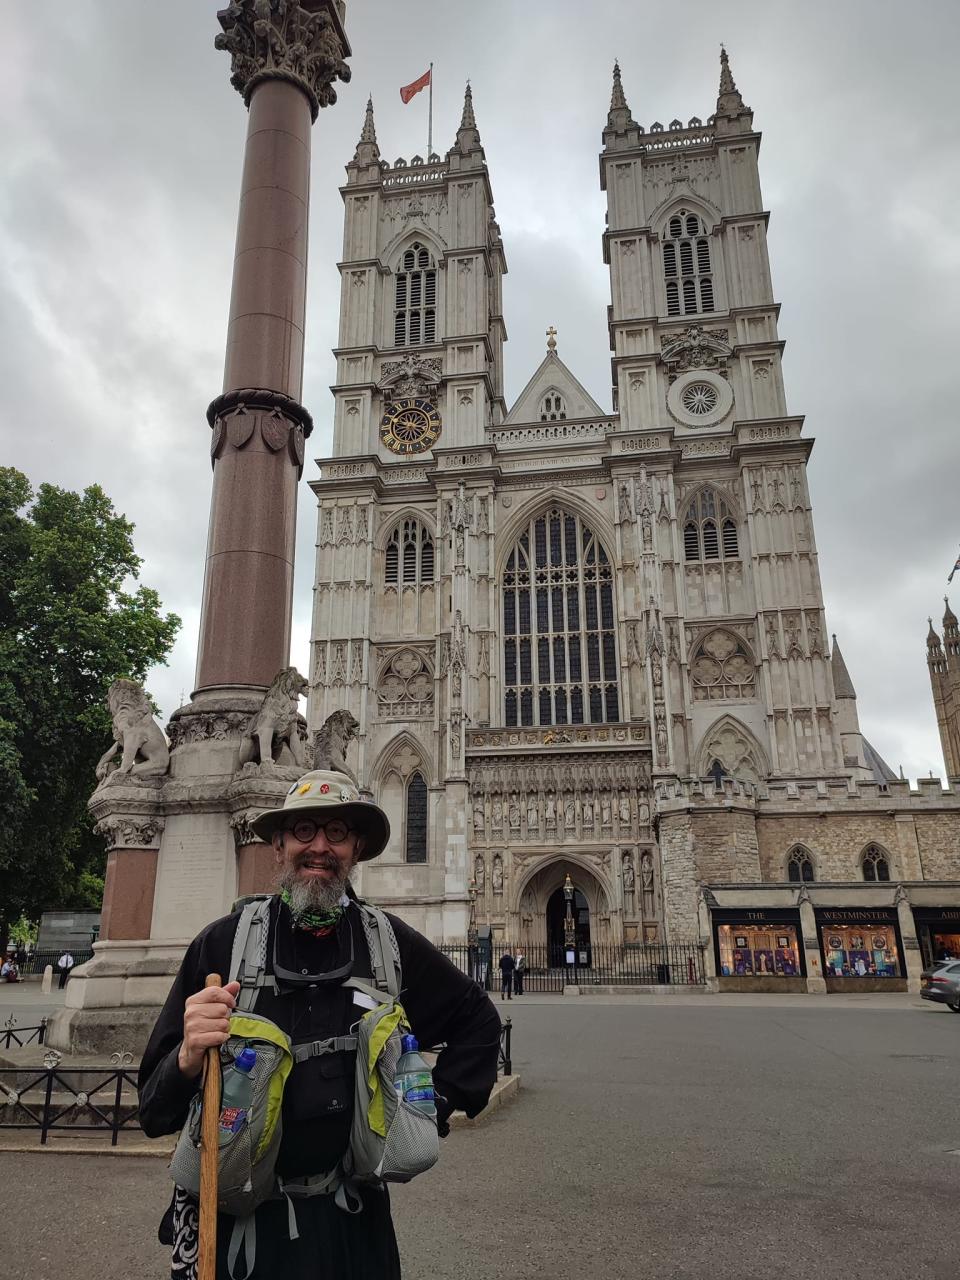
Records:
x=313, y=921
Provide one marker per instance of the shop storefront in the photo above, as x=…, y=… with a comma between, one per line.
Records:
x=758, y=950
x=938, y=932
x=861, y=948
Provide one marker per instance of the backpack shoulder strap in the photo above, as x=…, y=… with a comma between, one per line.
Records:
x=384, y=952
x=248, y=960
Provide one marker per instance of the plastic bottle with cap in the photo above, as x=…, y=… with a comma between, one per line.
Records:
x=413, y=1079
x=237, y=1094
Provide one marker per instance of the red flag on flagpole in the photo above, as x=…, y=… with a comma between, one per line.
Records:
x=409, y=90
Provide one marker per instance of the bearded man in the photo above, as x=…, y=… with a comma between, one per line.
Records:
x=316, y=939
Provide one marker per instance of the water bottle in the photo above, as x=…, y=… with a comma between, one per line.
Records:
x=413, y=1080
x=237, y=1094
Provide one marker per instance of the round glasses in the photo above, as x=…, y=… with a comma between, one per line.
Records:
x=335, y=830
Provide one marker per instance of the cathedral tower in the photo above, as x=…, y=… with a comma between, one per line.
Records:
x=943, y=662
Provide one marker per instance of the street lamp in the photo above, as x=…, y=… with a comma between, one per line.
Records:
x=472, y=931
x=569, y=924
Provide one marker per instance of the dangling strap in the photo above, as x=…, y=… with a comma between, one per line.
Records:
x=244, y=1233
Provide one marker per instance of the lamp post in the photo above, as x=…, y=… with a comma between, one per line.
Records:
x=472, y=931
x=569, y=924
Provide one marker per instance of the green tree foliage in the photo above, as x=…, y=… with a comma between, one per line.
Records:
x=67, y=630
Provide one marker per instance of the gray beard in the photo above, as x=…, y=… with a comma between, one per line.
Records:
x=311, y=895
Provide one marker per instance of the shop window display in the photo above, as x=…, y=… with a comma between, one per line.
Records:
x=945, y=946
x=852, y=951
x=747, y=951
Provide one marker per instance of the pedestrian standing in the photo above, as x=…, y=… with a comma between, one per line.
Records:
x=519, y=970
x=65, y=964
x=507, y=966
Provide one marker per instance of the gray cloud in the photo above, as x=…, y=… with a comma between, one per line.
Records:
x=122, y=149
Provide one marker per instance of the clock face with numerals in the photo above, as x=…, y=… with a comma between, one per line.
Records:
x=410, y=426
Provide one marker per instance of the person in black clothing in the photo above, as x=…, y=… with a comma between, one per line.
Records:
x=506, y=975
x=315, y=937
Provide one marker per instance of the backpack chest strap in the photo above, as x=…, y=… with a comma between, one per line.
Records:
x=319, y=1048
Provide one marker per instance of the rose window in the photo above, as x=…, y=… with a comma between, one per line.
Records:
x=699, y=398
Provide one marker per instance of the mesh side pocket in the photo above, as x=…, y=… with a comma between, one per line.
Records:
x=412, y=1146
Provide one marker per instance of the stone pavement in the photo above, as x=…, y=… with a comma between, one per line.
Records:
x=723, y=1139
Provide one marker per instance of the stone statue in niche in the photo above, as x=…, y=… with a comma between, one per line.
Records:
x=479, y=873
x=497, y=874
x=514, y=811
x=629, y=878
x=143, y=748
x=646, y=883
x=587, y=811
x=605, y=809
x=478, y=816
x=332, y=740
x=551, y=810
x=533, y=813
x=272, y=735
x=644, y=814
x=569, y=813
x=624, y=809
x=497, y=812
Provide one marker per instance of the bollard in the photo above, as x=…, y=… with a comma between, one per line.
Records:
x=47, y=981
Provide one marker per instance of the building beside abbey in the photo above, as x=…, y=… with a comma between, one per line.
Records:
x=591, y=643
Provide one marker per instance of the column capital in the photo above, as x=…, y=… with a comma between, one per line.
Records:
x=300, y=41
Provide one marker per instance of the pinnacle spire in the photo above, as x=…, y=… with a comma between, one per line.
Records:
x=949, y=617
x=369, y=132
x=842, y=684
x=933, y=640
x=617, y=101
x=729, y=102
x=468, y=120
x=367, y=152
x=727, y=82
x=618, y=117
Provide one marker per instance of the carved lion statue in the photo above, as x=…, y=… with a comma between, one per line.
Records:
x=272, y=736
x=136, y=735
x=331, y=741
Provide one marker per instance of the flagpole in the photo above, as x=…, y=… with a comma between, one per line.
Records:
x=430, y=117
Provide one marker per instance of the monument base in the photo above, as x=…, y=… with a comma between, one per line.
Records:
x=113, y=1000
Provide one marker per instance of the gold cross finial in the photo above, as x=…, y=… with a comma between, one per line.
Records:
x=551, y=339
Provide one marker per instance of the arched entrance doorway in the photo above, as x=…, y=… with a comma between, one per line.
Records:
x=556, y=927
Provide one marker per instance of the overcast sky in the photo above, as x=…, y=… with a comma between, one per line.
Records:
x=121, y=154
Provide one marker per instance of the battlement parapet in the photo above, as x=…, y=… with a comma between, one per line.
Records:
x=823, y=795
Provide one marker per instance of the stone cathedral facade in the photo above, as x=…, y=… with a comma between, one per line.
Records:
x=588, y=642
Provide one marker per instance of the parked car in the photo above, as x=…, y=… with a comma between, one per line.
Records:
x=941, y=982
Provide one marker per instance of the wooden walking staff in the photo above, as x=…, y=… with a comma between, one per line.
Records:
x=209, y=1152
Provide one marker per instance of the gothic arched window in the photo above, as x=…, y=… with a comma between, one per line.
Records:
x=553, y=407
x=709, y=529
x=415, y=838
x=409, y=555
x=799, y=865
x=874, y=863
x=686, y=265
x=559, y=647
x=415, y=311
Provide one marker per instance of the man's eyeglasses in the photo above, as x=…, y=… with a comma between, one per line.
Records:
x=335, y=830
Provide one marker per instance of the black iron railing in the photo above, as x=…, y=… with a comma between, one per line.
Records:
x=551, y=968
x=505, y=1063
x=69, y=1100
x=37, y=961
x=14, y=1037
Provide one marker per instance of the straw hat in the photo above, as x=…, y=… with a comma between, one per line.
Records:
x=324, y=794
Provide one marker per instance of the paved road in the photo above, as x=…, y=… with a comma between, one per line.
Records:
x=745, y=1141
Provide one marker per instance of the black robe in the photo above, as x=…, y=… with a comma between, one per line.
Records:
x=444, y=1007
